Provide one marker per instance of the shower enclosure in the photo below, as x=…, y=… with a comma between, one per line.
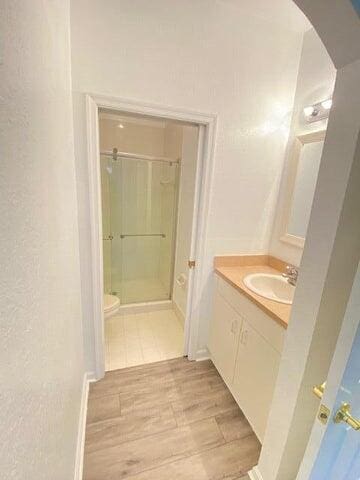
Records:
x=139, y=204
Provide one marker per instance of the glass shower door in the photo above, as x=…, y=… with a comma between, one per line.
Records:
x=142, y=206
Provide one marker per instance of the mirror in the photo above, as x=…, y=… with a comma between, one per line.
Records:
x=304, y=168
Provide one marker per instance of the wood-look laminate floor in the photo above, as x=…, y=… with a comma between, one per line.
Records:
x=173, y=420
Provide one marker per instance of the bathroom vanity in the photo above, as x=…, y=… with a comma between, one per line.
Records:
x=247, y=333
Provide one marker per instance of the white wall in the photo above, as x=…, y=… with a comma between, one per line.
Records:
x=40, y=343
x=228, y=58
x=315, y=83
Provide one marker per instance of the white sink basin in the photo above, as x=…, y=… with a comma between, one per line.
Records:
x=273, y=287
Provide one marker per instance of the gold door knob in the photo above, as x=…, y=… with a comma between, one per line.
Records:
x=343, y=415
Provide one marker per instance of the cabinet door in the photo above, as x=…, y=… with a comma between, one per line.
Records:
x=223, y=338
x=256, y=369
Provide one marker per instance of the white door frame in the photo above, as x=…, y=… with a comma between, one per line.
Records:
x=203, y=182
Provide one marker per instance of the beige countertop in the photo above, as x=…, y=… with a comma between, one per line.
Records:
x=233, y=269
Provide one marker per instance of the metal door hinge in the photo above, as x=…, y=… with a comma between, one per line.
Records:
x=191, y=263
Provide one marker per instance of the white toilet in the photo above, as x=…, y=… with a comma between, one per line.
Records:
x=111, y=305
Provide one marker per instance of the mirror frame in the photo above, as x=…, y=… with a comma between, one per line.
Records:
x=299, y=142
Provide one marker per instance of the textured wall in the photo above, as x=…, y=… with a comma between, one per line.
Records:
x=41, y=363
x=225, y=57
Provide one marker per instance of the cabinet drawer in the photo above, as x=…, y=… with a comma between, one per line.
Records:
x=259, y=321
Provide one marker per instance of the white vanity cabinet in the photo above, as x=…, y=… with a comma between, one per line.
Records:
x=245, y=346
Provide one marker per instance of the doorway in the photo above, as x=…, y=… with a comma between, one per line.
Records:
x=150, y=175
x=148, y=170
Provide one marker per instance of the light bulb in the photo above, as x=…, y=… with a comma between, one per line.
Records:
x=120, y=125
x=326, y=104
x=308, y=111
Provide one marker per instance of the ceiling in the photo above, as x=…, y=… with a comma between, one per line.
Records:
x=284, y=12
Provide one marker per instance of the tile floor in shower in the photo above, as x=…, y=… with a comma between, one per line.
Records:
x=140, y=338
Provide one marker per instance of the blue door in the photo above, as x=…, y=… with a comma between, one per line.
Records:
x=339, y=454
x=333, y=450
x=356, y=4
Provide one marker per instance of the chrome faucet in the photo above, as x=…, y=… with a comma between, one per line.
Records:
x=291, y=274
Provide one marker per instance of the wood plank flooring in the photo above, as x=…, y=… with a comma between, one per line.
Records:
x=173, y=420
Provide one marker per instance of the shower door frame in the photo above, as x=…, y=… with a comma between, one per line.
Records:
x=203, y=181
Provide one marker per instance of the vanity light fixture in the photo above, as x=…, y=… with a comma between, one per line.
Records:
x=318, y=111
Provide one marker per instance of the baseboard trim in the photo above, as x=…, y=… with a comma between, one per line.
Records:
x=79, y=460
x=202, y=354
x=179, y=313
x=255, y=474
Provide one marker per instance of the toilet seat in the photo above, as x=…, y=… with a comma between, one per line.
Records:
x=111, y=305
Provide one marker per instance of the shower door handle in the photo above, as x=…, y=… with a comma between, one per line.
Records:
x=143, y=235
